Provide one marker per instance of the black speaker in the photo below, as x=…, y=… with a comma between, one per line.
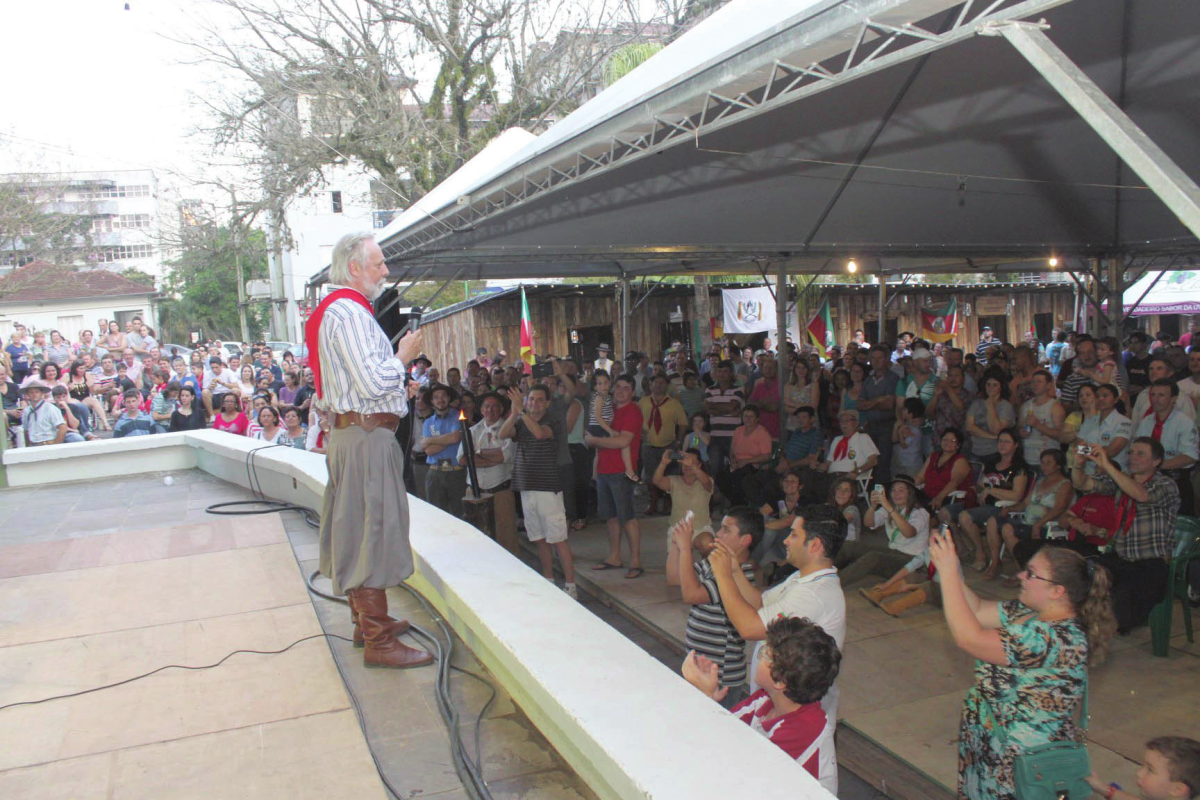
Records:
x=392, y=316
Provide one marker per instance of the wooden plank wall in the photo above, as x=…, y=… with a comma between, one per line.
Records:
x=853, y=310
x=496, y=324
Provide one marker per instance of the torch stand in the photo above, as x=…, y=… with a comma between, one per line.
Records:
x=481, y=512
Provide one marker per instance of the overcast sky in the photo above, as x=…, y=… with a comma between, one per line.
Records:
x=89, y=85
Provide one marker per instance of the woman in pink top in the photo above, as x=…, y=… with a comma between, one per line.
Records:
x=229, y=418
x=749, y=452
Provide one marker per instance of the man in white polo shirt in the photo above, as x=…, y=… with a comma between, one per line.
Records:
x=813, y=591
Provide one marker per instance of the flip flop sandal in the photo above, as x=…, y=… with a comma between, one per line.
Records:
x=605, y=565
x=634, y=572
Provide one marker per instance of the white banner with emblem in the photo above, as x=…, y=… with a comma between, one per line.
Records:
x=753, y=311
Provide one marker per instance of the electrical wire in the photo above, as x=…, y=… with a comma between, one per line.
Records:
x=469, y=770
x=173, y=666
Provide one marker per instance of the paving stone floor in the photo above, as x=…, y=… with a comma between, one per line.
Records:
x=107, y=579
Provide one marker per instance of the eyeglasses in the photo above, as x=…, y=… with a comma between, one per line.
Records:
x=1034, y=576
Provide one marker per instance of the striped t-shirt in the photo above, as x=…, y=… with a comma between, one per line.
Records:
x=710, y=632
x=724, y=426
x=535, y=465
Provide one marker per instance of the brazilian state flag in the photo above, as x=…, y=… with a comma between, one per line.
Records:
x=820, y=331
x=940, y=324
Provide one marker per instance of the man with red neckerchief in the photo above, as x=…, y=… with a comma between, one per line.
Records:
x=364, y=544
x=1147, y=508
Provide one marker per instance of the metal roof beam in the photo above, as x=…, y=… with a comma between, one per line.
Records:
x=818, y=34
x=1172, y=185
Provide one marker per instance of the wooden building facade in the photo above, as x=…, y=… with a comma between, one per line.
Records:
x=574, y=319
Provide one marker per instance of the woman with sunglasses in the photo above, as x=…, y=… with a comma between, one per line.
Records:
x=1031, y=655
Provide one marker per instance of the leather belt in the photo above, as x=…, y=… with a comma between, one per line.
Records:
x=368, y=422
x=445, y=466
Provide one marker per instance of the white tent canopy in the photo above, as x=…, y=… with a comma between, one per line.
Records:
x=1163, y=293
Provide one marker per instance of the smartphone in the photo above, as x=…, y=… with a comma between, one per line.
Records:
x=878, y=487
x=1084, y=449
x=675, y=455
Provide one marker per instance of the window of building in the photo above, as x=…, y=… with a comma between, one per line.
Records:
x=116, y=192
x=102, y=224
x=337, y=202
x=131, y=221
x=124, y=253
x=127, y=316
x=70, y=327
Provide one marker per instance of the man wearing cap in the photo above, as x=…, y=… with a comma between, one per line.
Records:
x=986, y=341
x=603, y=361
x=420, y=370
x=446, y=480
x=364, y=543
x=42, y=422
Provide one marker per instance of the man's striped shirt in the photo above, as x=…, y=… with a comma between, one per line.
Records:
x=724, y=426
x=710, y=632
x=359, y=370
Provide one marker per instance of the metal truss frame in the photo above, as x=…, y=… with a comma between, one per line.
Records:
x=873, y=45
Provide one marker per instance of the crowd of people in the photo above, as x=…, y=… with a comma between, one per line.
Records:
x=875, y=464
x=56, y=392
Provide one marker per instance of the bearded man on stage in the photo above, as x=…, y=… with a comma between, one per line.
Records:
x=364, y=518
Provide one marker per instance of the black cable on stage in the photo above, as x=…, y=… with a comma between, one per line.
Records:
x=173, y=666
x=468, y=769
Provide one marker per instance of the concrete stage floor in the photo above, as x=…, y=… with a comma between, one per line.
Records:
x=106, y=580
x=903, y=680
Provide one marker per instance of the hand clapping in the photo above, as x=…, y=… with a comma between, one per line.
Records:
x=703, y=673
x=942, y=552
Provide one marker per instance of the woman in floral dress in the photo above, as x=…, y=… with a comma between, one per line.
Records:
x=1031, y=659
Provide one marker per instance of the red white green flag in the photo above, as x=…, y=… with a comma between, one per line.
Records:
x=820, y=330
x=940, y=324
x=526, y=333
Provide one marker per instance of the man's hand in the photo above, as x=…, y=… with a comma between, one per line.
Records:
x=515, y=400
x=410, y=346
x=703, y=673
x=942, y=553
x=414, y=389
x=683, y=532
x=1100, y=457
x=722, y=559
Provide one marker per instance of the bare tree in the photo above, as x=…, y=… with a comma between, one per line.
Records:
x=408, y=88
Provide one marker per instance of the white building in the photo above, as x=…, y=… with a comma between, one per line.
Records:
x=44, y=297
x=317, y=220
x=124, y=209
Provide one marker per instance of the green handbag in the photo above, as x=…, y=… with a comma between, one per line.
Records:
x=1052, y=771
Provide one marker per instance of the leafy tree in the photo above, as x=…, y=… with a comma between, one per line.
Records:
x=137, y=276
x=627, y=59
x=202, y=283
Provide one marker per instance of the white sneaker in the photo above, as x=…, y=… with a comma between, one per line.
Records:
x=571, y=591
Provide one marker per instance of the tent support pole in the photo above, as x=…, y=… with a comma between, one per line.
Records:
x=1116, y=295
x=702, y=316
x=429, y=302
x=881, y=334
x=624, y=317
x=1134, y=307
x=1164, y=177
x=781, y=314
